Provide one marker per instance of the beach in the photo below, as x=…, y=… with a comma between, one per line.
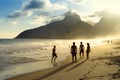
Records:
x=103, y=64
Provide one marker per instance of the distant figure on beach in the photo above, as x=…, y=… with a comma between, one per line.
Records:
x=81, y=48
x=108, y=41
x=88, y=50
x=54, y=55
x=74, y=52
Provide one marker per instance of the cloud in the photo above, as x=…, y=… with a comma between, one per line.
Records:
x=28, y=8
x=1, y=20
x=42, y=20
x=19, y=13
x=16, y=14
x=92, y=18
x=56, y=18
x=76, y=2
x=38, y=20
x=41, y=7
x=13, y=23
x=36, y=4
x=80, y=3
x=59, y=7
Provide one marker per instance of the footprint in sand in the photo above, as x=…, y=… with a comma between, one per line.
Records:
x=88, y=72
x=94, y=65
x=92, y=68
x=84, y=75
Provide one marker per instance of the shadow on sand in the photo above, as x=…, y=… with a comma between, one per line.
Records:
x=54, y=63
x=53, y=72
x=76, y=66
x=59, y=69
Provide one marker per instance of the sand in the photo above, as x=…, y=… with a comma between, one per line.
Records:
x=103, y=64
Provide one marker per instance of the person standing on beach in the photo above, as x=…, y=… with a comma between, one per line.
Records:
x=74, y=52
x=81, y=48
x=88, y=50
x=54, y=55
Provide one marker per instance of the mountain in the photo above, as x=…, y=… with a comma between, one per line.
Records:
x=72, y=27
x=108, y=25
x=68, y=28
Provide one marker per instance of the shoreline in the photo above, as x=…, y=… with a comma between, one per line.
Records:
x=55, y=67
x=83, y=69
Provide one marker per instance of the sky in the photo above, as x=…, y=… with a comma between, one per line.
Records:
x=19, y=15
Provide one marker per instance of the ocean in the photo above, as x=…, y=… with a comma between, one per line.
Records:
x=19, y=56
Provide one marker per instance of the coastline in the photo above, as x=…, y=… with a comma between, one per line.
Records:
x=98, y=66
x=46, y=72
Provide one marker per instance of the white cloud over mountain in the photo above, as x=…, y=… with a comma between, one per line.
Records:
x=33, y=6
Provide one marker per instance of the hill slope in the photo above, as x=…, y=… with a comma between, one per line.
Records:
x=70, y=27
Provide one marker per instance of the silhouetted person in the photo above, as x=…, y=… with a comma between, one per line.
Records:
x=88, y=50
x=81, y=48
x=74, y=52
x=54, y=55
x=108, y=41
